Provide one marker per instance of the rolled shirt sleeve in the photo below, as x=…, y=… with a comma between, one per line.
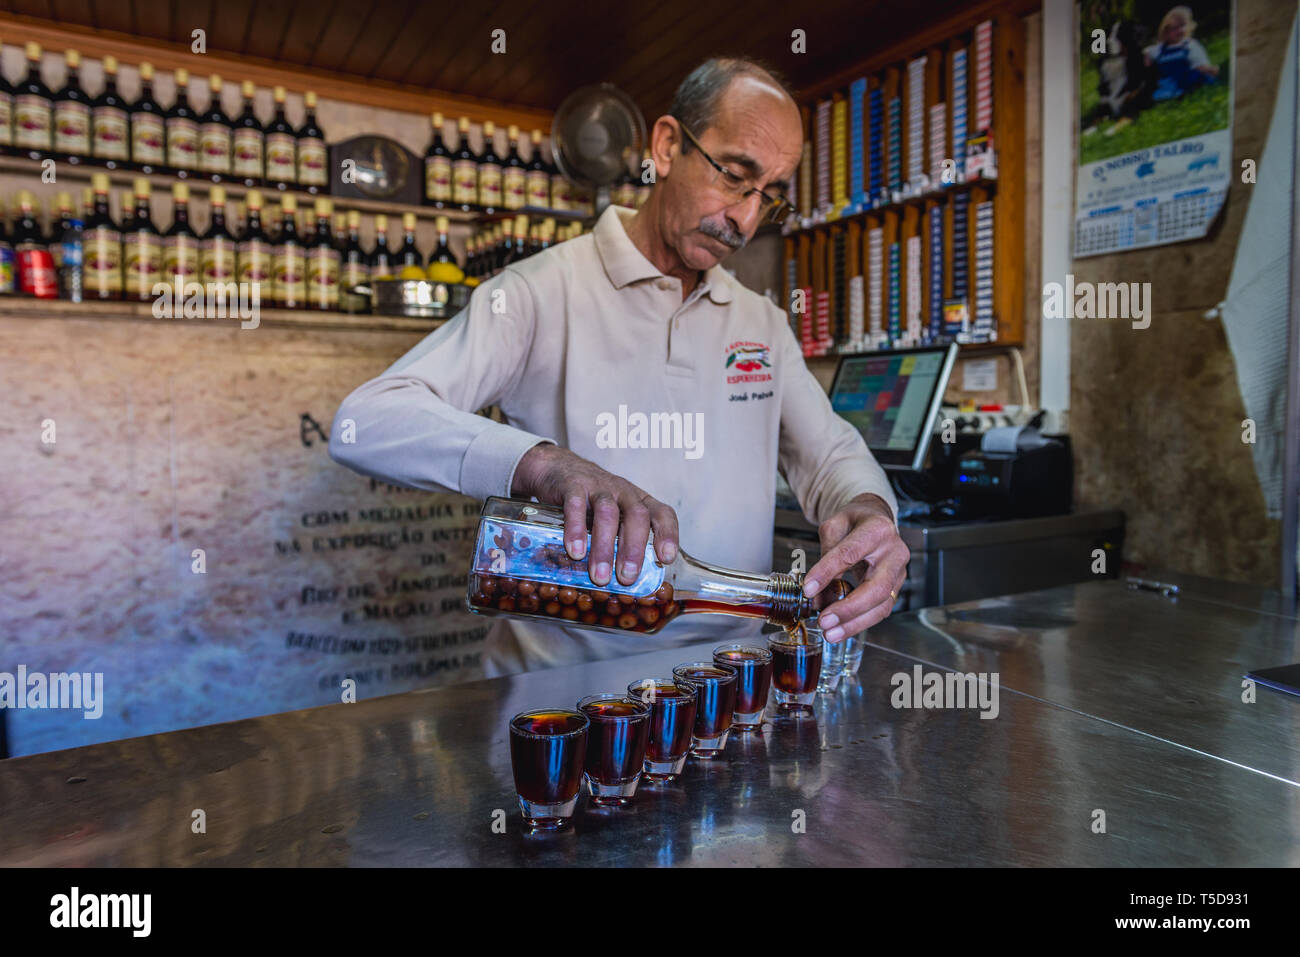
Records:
x=415, y=424
x=823, y=457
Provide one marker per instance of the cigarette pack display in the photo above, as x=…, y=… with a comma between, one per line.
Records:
x=938, y=146
x=895, y=148
x=857, y=156
x=913, y=333
x=839, y=156
x=916, y=123
x=960, y=245
x=806, y=338
x=857, y=313
x=839, y=305
x=822, y=324
x=959, y=112
x=935, y=218
x=822, y=201
x=895, y=305
x=875, y=290
x=876, y=176
x=984, y=76
x=982, y=327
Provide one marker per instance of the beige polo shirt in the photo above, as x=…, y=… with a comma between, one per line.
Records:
x=587, y=344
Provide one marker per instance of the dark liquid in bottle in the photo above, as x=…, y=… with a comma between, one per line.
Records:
x=587, y=606
x=548, y=768
x=796, y=667
x=716, y=698
x=753, y=677
x=616, y=742
x=672, y=718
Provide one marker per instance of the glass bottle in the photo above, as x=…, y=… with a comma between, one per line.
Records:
x=281, y=147
x=312, y=157
x=437, y=168
x=182, y=131
x=180, y=242
x=72, y=115
x=7, y=274
x=464, y=171
x=215, y=134
x=6, y=116
x=537, y=179
x=102, y=237
x=409, y=254
x=489, y=171
x=33, y=109
x=323, y=261
x=290, y=259
x=110, y=136
x=519, y=567
x=381, y=257
x=442, y=252
x=254, y=252
x=141, y=248
x=513, y=186
x=355, y=269
x=35, y=264
x=249, y=144
x=148, y=133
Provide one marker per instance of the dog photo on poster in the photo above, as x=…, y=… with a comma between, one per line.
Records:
x=1155, y=122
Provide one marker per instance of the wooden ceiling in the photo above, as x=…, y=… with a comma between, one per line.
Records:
x=551, y=47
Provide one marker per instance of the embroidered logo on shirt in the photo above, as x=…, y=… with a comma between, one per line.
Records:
x=748, y=360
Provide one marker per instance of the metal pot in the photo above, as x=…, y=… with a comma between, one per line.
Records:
x=417, y=298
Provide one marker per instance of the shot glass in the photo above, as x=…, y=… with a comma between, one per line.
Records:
x=832, y=665
x=616, y=745
x=547, y=750
x=796, y=666
x=672, y=721
x=753, y=681
x=715, y=691
x=853, y=649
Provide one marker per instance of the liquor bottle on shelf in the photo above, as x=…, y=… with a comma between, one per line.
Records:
x=505, y=244
x=548, y=234
x=313, y=158
x=32, y=259
x=126, y=203
x=110, y=132
x=464, y=171
x=561, y=191
x=148, y=130
x=521, y=237
x=381, y=258
x=290, y=259
x=72, y=115
x=489, y=171
x=354, y=270
x=7, y=280
x=255, y=252
x=181, y=257
x=281, y=148
x=521, y=544
x=409, y=254
x=141, y=248
x=33, y=110
x=215, y=134
x=323, y=262
x=271, y=217
x=534, y=239
x=442, y=256
x=103, y=246
x=537, y=180
x=471, y=257
x=218, y=251
x=72, y=261
x=182, y=131
x=87, y=204
x=513, y=176
x=249, y=145
x=6, y=118
x=437, y=168
x=63, y=215
x=340, y=230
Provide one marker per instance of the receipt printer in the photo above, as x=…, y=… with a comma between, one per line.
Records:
x=1017, y=472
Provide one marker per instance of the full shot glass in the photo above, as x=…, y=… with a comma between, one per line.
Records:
x=672, y=721
x=715, y=692
x=753, y=681
x=616, y=746
x=796, y=666
x=547, y=749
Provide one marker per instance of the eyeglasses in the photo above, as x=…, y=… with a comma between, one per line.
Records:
x=774, y=209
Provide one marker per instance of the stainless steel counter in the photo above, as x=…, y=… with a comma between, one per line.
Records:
x=1109, y=699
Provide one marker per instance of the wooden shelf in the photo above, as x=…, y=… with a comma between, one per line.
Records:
x=17, y=307
x=163, y=182
x=919, y=200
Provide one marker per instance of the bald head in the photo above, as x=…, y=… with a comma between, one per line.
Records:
x=705, y=94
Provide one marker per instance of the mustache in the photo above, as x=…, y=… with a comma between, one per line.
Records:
x=721, y=233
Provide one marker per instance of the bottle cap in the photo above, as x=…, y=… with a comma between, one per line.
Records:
x=180, y=193
x=512, y=131
x=442, y=223
x=408, y=221
x=462, y=124
x=218, y=196
x=254, y=199
x=310, y=99
x=24, y=199
x=214, y=82
x=289, y=204
x=521, y=225
x=354, y=219
x=73, y=59
x=381, y=223
x=489, y=130
x=142, y=187
x=324, y=207
x=537, y=137
x=279, y=94
x=246, y=88
x=110, y=64
x=146, y=71
x=437, y=120
x=63, y=200
x=33, y=51
x=182, y=77
x=99, y=182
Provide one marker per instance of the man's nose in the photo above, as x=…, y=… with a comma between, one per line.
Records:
x=745, y=215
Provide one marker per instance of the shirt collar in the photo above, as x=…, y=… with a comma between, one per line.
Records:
x=624, y=263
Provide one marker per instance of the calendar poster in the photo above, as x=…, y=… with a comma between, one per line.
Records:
x=1155, y=122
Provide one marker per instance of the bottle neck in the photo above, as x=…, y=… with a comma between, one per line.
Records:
x=703, y=588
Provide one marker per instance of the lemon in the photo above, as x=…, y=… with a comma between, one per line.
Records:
x=412, y=272
x=445, y=272
x=471, y=281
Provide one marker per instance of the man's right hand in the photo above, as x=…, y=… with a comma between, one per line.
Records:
x=556, y=476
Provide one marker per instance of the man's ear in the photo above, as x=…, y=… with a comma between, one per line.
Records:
x=665, y=145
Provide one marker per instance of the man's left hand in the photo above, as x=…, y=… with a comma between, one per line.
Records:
x=861, y=533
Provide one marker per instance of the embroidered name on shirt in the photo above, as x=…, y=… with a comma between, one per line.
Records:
x=748, y=360
x=657, y=430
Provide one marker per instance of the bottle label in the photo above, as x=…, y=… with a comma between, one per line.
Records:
x=489, y=185
x=280, y=157
x=248, y=152
x=255, y=261
x=437, y=178
x=36, y=275
x=103, y=261
x=109, y=133
x=180, y=259
x=6, y=119
x=536, y=553
x=311, y=162
x=182, y=143
x=32, y=122
x=289, y=267
x=538, y=189
x=141, y=264
x=559, y=193
x=147, y=139
x=465, y=182
x=72, y=128
x=214, y=148
x=323, y=276
x=6, y=269
x=354, y=272
x=217, y=261
x=512, y=183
